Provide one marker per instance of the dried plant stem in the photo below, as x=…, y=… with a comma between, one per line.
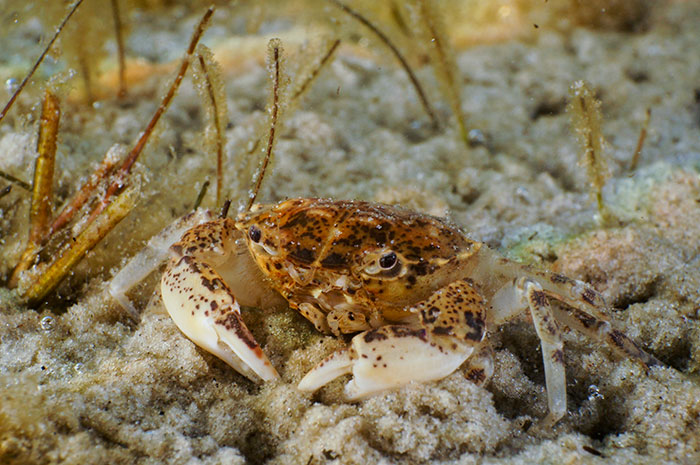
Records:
x=602, y=210
x=640, y=142
x=274, y=50
x=25, y=262
x=120, y=48
x=84, y=62
x=104, y=169
x=200, y=196
x=443, y=61
x=219, y=134
x=309, y=78
x=79, y=246
x=315, y=72
x=38, y=62
x=42, y=193
x=224, y=209
x=217, y=103
x=119, y=180
x=586, y=121
x=24, y=185
x=40, y=213
x=404, y=64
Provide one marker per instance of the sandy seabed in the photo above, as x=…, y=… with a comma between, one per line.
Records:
x=81, y=383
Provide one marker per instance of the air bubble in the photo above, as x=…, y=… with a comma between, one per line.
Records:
x=47, y=323
x=476, y=138
x=11, y=85
x=594, y=393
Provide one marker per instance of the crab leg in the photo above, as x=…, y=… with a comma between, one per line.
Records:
x=480, y=365
x=601, y=330
x=452, y=325
x=514, y=298
x=552, y=348
x=581, y=310
x=204, y=307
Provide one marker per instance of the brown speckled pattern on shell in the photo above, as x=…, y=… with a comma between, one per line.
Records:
x=331, y=233
x=323, y=240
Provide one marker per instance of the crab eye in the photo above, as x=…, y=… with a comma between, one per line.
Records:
x=388, y=260
x=254, y=233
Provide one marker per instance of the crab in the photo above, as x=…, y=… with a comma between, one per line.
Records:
x=419, y=295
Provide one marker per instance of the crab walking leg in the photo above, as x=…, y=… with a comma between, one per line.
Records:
x=510, y=301
x=571, y=291
x=206, y=311
x=552, y=349
x=480, y=365
x=452, y=325
x=582, y=310
x=601, y=330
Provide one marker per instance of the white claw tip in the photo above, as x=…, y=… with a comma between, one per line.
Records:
x=338, y=364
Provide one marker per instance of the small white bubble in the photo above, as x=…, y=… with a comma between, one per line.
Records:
x=476, y=137
x=594, y=393
x=78, y=367
x=11, y=85
x=47, y=323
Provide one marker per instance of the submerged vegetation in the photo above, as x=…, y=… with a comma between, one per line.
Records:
x=90, y=201
x=586, y=121
x=103, y=210
x=415, y=33
x=344, y=118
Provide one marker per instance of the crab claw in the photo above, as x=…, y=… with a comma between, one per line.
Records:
x=206, y=311
x=451, y=328
x=389, y=357
x=337, y=364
